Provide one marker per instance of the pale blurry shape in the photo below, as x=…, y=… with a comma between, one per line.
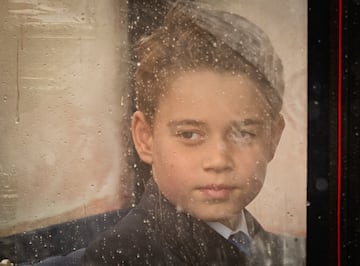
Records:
x=281, y=205
x=63, y=72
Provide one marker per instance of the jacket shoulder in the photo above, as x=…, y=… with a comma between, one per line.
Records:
x=275, y=248
x=124, y=244
x=281, y=249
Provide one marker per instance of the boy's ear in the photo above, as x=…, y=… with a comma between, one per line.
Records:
x=276, y=131
x=142, y=136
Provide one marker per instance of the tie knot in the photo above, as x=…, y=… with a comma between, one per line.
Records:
x=242, y=241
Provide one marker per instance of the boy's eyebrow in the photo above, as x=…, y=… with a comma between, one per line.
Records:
x=200, y=123
x=248, y=122
x=186, y=122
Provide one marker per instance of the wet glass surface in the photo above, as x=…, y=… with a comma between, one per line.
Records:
x=67, y=87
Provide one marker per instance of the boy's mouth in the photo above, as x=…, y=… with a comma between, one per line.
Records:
x=216, y=191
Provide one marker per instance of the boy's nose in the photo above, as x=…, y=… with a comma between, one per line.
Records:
x=218, y=158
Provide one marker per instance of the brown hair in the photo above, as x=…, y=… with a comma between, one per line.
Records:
x=181, y=45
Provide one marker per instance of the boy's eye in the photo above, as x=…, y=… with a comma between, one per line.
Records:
x=189, y=135
x=241, y=135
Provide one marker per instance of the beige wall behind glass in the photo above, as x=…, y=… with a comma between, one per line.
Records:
x=63, y=82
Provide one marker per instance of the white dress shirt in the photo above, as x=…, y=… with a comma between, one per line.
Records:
x=226, y=232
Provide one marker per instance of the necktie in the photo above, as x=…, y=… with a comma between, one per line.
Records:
x=242, y=241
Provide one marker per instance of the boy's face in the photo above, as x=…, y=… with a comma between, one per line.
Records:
x=211, y=141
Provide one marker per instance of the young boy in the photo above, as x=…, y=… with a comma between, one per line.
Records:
x=209, y=91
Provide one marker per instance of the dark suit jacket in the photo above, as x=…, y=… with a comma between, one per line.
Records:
x=154, y=233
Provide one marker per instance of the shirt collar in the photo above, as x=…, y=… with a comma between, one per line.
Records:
x=226, y=232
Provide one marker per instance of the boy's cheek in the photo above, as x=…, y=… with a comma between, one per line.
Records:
x=171, y=192
x=262, y=151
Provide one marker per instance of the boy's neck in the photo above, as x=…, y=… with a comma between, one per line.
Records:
x=228, y=227
x=232, y=222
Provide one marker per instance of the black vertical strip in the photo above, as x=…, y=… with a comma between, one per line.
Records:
x=350, y=230
x=322, y=132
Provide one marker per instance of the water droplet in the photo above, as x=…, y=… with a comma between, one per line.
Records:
x=5, y=98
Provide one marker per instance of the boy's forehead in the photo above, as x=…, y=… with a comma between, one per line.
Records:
x=195, y=95
x=197, y=86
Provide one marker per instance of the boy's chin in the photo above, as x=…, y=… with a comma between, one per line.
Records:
x=215, y=214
